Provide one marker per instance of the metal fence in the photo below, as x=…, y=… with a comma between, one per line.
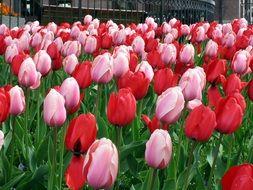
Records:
x=121, y=11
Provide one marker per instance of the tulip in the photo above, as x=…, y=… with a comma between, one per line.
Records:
x=81, y=133
x=101, y=164
x=168, y=53
x=102, y=68
x=192, y=83
x=146, y=68
x=1, y=139
x=27, y=75
x=71, y=47
x=233, y=84
x=90, y=44
x=193, y=104
x=153, y=124
x=59, y=43
x=71, y=93
x=198, y=35
x=215, y=69
x=250, y=90
x=4, y=104
x=120, y=64
x=16, y=63
x=119, y=37
x=10, y=52
x=240, y=62
x=121, y=108
x=164, y=79
x=133, y=61
x=211, y=49
x=169, y=105
x=82, y=74
x=158, y=151
x=87, y=19
x=106, y=41
x=138, y=45
x=17, y=101
x=213, y=95
x=54, y=111
x=185, y=29
x=229, y=113
x=137, y=82
x=53, y=51
x=36, y=39
x=75, y=31
x=186, y=54
x=200, y=123
x=238, y=177
x=155, y=60
x=43, y=62
x=228, y=40
x=74, y=173
x=69, y=63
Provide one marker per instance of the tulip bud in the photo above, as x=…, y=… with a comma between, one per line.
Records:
x=87, y=19
x=5, y=104
x=169, y=105
x=154, y=123
x=250, y=90
x=240, y=62
x=186, y=54
x=120, y=64
x=121, y=108
x=146, y=68
x=102, y=68
x=71, y=93
x=82, y=74
x=43, y=62
x=10, y=52
x=90, y=44
x=101, y=164
x=168, y=53
x=158, y=149
x=54, y=111
x=214, y=69
x=17, y=100
x=211, y=49
x=75, y=31
x=233, y=84
x=69, y=63
x=36, y=39
x=138, y=45
x=71, y=47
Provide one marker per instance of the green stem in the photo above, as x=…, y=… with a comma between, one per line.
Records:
x=98, y=98
x=38, y=118
x=230, y=152
x=53, y=169
x=62, y=148
x=209, y=184
x=118, y=136
x=152, y=176
x=27, y=95
x=193, y=146
x=12, y=146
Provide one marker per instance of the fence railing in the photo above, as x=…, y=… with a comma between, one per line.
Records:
x=121, y=11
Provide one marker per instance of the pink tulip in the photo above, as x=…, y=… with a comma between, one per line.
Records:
x=1, y=139
x=87, y=19
x=186, y=54
x=119, y=37
x=151, y=22
x=120, y=64
x=49, y=35
x=52, y=27
x=193, y=104
x=185, y=29
x=211, y=49
x=24, y=41
x=168, y=53
x=146, y=68
x=192, y=83
x=3, y=29
x=54, y=110
x=240, y=62
x=158, y=149
x=138, y=45
x=82, y=37
x=71, y=93
x=27, y=75
x=69, y=63
x=59, y=43
x=101, y=164
x=90, y=44
x=36, y=39
x=174, y=33
x=75, y=31
x=71, y=47
x=17, y=100
x=200, y=34
x=166, y=28
x=169, y=38
x=37, y=82
x=102, y=68
x=11, y=51
x=169, y=105
x=43, y=62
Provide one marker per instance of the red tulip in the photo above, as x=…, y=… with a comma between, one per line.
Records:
x=121, y=108
x=154, y=123
x=151, y=44
x=106, y=41
x=250, y=89
x=155, y=60
x=238, y=178
x=75, y=178
x=229, y=113
x=214, y=69
x=233, y=84
x=200, y=123
x=82, y=74
x=4, y=104
x=133, y=62
x=164, y=79
x=16, y=63
x=81, y=133
x=213, y=95
x=137, y=82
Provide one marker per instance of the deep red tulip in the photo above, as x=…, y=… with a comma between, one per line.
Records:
x=57, y=63
x=213, y=95
x=121, y=108
x=75, y=178
x=229, y=113
x=137, y=82
x=154, y=123
x=106, y=41
x=233, y=84
x=133, y=62
x=164, y=79
x=238, y=178
x=81, y=133
x=3, y=45
x=200, y=123
x=228, y=52
x=250, y=89
x=82, y=74
x=53, y=51
x=214, y=69
x=4, y=104
x=155, y=60
x=150, y=44
x=16, y=63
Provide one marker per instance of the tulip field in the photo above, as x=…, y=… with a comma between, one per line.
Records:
x=144, y=106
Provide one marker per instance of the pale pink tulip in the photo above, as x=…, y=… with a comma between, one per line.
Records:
x=71, y=92
x=240, y=62
x=17, y=100
x=169, y=38
x=54, y=110
x=36, y=39
x=90, y=44
x=185, y=29
x=158, y=149
x=138, y=45
x=82, y=37
x=11, y=51
x=169, y=105
x=120, y=64
x=186, y=54
x=101, y=164
x=102, y=68
x=87, y=19
x=150, y=21
x=211, y=49
x=193, y=104
x=1, y=139
x=52, y=27
x=166, y=28
x=27, y=75
x=4, y=29
x=71, y=47
x=59, y=43
x=75, y=31
x=43, y=62
x=146, y=68
x=228, y=40
x=200, y=34
x=119, y=37
x=168, y=53
x=37, y=82
x=69, y=63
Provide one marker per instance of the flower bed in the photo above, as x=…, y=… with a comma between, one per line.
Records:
x=93, y=105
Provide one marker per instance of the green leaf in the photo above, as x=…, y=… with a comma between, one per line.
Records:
x=132, y=164
x=13, y=182
x=130, y=148
x=102, y=127
x=169, y=184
